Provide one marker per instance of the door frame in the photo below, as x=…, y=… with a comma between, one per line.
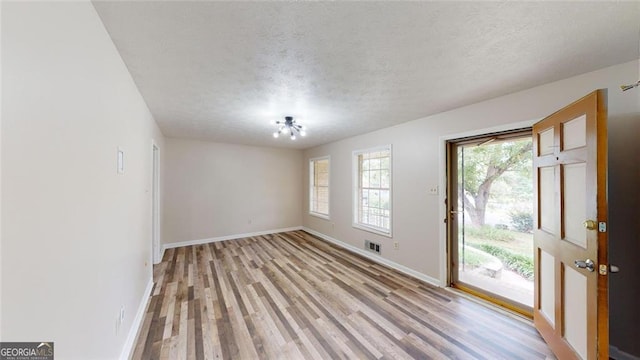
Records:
x=453, y=275
x=443, y=189
x=156, y=255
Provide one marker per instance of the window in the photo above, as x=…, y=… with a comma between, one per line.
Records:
x=319, y=187
x=372, y=195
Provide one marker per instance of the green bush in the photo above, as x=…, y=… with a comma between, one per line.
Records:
x=522, y=221
x=518, y=263
x=489, y=233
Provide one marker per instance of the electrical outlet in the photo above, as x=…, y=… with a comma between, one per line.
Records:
x=433, y=190
x=396, y=245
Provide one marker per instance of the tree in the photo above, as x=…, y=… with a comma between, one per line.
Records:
x=482, y=165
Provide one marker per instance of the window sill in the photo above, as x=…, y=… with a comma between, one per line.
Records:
x=373, y=230
x=321, y=216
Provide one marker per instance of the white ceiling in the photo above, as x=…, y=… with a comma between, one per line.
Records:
x=221, y=71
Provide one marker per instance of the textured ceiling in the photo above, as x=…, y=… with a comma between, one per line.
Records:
x=222, y=71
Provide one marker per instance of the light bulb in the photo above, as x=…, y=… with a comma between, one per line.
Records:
x=293, y=137
x=303, y=133
x=275, y=134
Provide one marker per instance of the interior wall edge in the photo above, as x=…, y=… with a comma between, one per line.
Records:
x=225, y=238
x=136, y=324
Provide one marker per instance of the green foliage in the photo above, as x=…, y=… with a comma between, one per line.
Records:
x=487, y=232
x=499, y=171
x=481, y=161
x=522, y=221
x=475, y=257
x=518, y=263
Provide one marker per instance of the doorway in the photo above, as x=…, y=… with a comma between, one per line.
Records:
x=490, y=207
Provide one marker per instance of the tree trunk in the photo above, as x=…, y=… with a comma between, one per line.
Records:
x=476, y=205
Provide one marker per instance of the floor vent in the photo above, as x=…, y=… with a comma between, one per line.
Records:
x=371, y=246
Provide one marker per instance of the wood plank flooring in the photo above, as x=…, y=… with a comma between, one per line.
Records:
x=294, y=296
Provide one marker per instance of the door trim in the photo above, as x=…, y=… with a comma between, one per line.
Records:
x=156, y=255
x=451, y=226
x=442, y=184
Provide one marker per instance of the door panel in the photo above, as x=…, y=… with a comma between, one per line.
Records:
x=548, y=198
x=570, y=308
x=574, y=134
x=575, y=315
x=573, y=182
x=547, y=290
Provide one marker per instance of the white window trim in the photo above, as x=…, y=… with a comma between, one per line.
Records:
x=311, y=212
x=355, y=190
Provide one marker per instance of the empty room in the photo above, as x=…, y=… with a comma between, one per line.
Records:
x=319, y=180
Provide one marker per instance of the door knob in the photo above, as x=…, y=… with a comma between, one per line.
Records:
x=590, y=225
x=586, y=264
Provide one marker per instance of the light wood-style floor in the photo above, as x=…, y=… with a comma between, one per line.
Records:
x=294, y=296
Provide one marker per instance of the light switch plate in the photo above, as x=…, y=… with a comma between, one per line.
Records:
x=120, y=161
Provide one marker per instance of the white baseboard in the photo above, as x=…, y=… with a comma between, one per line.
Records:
x=224, y=238
x=127, y=349
x=617, y=354
x=378, y=259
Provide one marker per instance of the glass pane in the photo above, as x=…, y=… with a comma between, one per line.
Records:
x=365, y=179
x=365, y=198
x=323, y=179
x=384, y=162
x=384, y=200
x=374, y=198
x=365, y=164
x=384, y=179
x=374, y=179
x=495, y=219
x=374, y=164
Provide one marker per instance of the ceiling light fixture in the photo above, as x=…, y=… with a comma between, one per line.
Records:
x=289, y=127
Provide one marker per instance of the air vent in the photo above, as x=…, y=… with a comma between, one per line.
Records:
x=371, y=246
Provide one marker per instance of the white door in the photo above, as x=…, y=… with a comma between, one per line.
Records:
x=570, y=238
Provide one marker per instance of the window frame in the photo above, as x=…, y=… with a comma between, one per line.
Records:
x=326, y=216
x=356, y=190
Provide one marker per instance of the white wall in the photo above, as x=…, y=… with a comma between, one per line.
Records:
x=417, y=154
x=1, y=171
x=75, y=235
x=215, y=190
